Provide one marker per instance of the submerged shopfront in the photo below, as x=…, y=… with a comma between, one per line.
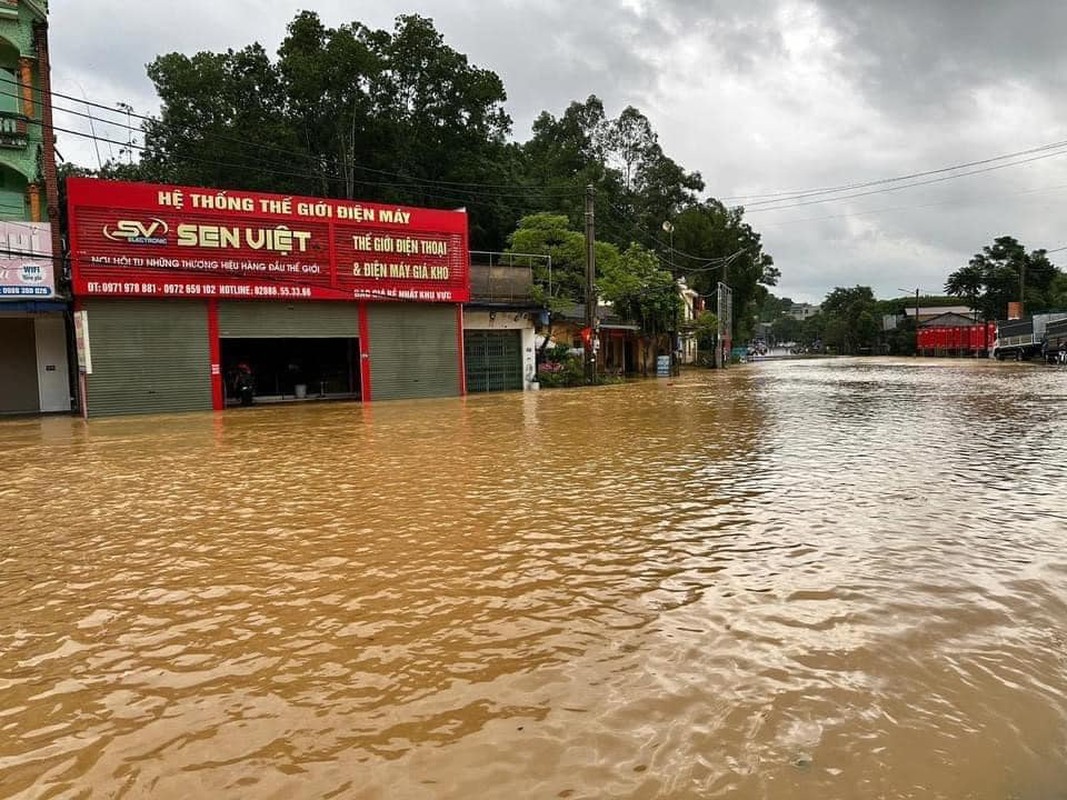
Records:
x=181, y=291
x=34, y=377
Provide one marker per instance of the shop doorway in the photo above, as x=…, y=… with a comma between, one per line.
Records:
x=289, y=369
x=494, y=360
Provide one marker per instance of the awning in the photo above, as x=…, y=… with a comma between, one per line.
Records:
x=34, y=306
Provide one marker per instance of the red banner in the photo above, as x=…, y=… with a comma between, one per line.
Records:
x=148, y=240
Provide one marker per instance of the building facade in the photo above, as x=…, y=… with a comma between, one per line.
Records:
x=34, y=374
x=186, y=296
x=499, y=324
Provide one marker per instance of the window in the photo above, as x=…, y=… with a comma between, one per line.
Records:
x=9, y=91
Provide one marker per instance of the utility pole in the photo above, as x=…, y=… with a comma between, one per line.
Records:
x=675, y=336
x=1022, y=289
x=917, y=288
x=916, y=320
x=590, y=283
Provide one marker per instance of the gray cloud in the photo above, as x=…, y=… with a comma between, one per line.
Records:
x=928, y=56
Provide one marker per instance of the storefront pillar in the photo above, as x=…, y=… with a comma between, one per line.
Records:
x=82, y=399
x=218, y=400
x=462, y=352
x=364, y=354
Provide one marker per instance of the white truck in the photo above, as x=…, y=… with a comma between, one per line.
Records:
x=1025, y=339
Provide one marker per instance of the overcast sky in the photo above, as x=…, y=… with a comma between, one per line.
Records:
x=761, y=97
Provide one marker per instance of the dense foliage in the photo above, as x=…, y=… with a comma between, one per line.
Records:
x=1006, y=272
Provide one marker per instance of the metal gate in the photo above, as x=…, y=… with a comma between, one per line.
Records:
x=149, y=356
x=301, y=336
x=494, y=360
x=414, y=351
x=254, y=320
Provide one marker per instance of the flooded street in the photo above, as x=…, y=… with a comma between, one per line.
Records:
x=816, y=580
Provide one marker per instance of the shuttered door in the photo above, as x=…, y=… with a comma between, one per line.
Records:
x=414, y=351
x=288, y=321
x=148, y=357
x=494, y=360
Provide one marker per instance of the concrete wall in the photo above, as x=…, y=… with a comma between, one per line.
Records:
x=504, y=320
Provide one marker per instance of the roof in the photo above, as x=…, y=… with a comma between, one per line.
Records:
x=605, y=314
x=951, y=318
x=936, y=311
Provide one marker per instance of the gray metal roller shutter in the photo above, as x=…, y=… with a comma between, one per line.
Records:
x=288, y=320
x=148, y=357
x=414, y=351
x=494, y=360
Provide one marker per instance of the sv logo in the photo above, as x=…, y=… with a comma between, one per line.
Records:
x=134, y=231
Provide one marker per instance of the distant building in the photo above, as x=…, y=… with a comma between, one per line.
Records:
x=928, y=313
x=933, y=316
x=691, y=307
x=803, y=311
x=499, y=322
x=948, y=319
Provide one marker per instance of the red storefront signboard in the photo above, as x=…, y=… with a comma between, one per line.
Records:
x=149, y=240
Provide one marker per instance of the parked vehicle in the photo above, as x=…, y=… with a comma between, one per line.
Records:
x=243, y=384
x=1056, y=341
x=957, y=340
x=1025, y=339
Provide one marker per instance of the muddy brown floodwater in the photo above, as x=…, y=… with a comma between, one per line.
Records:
x=835, y=579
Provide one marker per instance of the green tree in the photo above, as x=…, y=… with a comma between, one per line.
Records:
x=773, y=307
x=996, y=276
x=734, y=254
x=638, y=186
x=641, y=290
x=1058, y=293
x=706, y=328
x=813, y=330
x=850, y=320
x=563, y=284
x=398, y=117
x=223, y=123
x=787, y=329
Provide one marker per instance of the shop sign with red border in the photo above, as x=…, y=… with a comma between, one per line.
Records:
x=150, y=240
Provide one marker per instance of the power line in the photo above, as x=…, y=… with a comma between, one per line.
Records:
x=779, y=200
x=901, y=208
x=799, y=194
x=453, y=197
x=910, y=185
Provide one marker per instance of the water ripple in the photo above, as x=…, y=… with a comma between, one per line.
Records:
x=809, y=580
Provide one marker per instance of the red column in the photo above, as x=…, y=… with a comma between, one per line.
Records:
x=218, y=402
x=462, y=352
x=364, y=353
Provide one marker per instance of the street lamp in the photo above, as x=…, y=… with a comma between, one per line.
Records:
x=668, y=228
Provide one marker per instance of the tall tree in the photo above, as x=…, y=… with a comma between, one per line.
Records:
x=562, y=284
x=641, y=290
x=1001, y=273
x=713, y=243
x=223, y=123
x=349, y=111
x=850, y=320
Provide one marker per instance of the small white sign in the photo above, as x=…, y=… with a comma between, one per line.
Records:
x=81, y=340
